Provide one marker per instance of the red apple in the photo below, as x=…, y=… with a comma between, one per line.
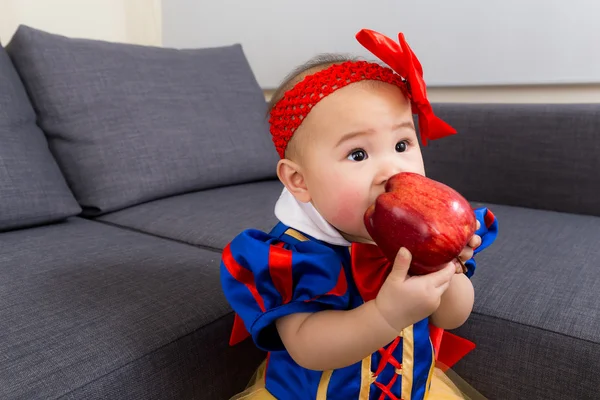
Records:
x=430, y=219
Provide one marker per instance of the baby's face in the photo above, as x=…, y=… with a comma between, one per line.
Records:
x=356, y=139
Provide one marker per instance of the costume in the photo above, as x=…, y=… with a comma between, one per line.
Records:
x=266, y=276
x=305, y=265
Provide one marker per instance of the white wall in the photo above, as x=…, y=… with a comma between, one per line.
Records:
x=460, y=42
x=190, y=23
x=127, y=21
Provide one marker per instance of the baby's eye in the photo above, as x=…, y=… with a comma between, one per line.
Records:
x=401, y=146
x=357, y=155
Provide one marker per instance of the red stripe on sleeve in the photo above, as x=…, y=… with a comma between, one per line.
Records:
x=242, y=275
x=280, y=268
x=489, y=218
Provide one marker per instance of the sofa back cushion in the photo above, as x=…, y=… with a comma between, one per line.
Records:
x=130, y=124
x=32, y=189
x=541, y=156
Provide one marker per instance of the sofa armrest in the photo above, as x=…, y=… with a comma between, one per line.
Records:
x=543, y=156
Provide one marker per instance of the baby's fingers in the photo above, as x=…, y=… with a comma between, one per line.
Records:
x=475, y=241
x=443, y=276
x=442, y=288
x=466, y=254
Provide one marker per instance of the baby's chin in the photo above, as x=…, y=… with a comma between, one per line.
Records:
x=354, y=233
x=357, y=238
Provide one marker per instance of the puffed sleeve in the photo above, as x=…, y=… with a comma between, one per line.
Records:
x=488, y=231
x=264, y=279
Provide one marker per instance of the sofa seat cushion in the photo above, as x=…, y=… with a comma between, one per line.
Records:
x=90, y=311
x=210, y=218
x=32, y=188
x=537, y=309
x=131, y=124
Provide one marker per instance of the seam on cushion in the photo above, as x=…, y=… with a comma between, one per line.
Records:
x=216, y=250
x=535, y=327
x=62, y=396
x=128, y=228
x=185, y=192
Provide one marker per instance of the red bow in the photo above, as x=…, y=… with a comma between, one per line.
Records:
x=400, y=57
x=370, y=268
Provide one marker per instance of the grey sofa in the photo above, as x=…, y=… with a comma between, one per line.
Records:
x=125, y=170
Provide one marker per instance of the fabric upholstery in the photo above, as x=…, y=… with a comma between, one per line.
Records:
x=536, y=313
x=541, y=156
x=90, y=311
x=210, y=218
x=32, y=189
x=543, y=270
x=130, y=124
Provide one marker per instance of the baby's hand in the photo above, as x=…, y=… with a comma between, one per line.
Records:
x=404, y=300
x=467, y=253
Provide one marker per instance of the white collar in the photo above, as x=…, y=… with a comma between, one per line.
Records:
x=305, y=218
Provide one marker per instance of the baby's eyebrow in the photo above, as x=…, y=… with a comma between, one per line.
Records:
x=352, y=135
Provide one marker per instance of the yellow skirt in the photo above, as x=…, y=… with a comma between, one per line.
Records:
x=444, y=386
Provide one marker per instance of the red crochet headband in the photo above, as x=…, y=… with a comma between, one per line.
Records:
x=406, y=72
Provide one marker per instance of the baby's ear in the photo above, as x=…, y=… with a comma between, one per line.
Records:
x=290, y=174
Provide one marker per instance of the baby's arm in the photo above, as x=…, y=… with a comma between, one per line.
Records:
x=456, y=304
x=335, y=339
x=457, y=301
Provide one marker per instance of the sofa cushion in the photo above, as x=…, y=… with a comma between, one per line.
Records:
x=32, y=188
x=90, y=311
x=130, y=124
x=541, y=156
x=210, y=218
x=537, y=308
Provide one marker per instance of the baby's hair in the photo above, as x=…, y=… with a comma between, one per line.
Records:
x=315, y=64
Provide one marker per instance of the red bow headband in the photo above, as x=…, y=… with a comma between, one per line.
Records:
x=289, y=112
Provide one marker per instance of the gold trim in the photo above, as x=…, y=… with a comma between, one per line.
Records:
x=431, y=370
x=366, y=378
x=408, y=358
x=324, y=385
x=296, y=235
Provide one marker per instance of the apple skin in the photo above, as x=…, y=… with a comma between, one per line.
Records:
x=433, y=221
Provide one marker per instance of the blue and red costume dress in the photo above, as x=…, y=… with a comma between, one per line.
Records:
x=266, y=276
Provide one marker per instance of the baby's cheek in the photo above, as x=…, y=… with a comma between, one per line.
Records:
x=348, y=209
x=344, y=213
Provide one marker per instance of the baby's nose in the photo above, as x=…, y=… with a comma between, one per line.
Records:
x=387, y=171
